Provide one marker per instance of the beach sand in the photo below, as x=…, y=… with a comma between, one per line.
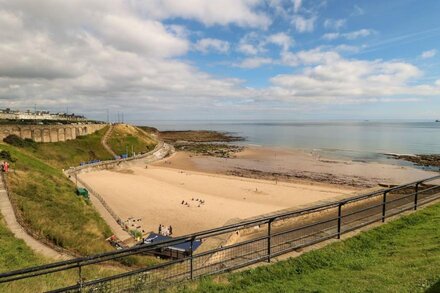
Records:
x=155, y=194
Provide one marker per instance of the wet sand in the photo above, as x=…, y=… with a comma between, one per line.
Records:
x=298, y=166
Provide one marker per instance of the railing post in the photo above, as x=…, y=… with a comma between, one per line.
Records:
x=384, y=206
x=339, y=219
x=269, y=238
x=416, y=196
x=191, y=260
x=80, y=282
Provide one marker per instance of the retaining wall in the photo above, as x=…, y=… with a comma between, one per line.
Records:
x=49, y=133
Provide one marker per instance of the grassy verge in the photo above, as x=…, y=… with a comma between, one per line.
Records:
x=126, y=138
x=47, y=204
x=72, y=152
x=14, y=254
x=402, y=256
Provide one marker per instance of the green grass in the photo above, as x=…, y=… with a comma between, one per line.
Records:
x=125, y=138
x=15, y=254
x=71, y=153
x=49, y=207
x=45, y=198
x=402, y=256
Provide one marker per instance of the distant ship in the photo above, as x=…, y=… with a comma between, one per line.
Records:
x=437, y=121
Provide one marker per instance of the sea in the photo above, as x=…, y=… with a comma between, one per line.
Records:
x=350, y=140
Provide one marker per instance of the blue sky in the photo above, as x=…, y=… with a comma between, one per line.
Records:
x=231, y=59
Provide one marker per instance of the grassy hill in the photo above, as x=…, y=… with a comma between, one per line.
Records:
x=45, y=198
x=125, y=138
x=402, y=256
x=46, y=201
x=72, y=152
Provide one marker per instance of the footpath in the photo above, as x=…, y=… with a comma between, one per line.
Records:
x=105, y=138
x=11, y=221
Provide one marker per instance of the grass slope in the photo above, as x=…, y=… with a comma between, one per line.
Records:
x=72, y=152
x=126, y=137
x=402, y=256
x=14, y=254
x=49, y=207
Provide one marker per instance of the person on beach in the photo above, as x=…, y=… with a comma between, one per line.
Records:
x=160, y=229
x=171, y=230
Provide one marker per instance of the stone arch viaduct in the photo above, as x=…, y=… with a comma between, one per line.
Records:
x=49, y=133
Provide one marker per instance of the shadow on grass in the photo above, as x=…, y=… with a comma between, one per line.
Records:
x=434, y=288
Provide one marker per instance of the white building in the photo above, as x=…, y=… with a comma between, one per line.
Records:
x=8, y=114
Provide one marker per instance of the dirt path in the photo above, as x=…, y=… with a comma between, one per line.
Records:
x=105, y=138
x=11, y=221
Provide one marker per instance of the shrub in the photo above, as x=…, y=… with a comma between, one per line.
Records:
x=17, y=141
x=5, y=155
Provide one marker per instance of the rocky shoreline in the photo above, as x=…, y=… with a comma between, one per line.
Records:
x=217, y=150
x=352, y=181
x=203, y=142
x=432, y=160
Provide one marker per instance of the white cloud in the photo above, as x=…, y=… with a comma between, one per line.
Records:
x=357, y=11
x=310, y=57
x=254, y=44
x=254, y=62
x=239, y=12
x=281, y=39
x=357, y=34
x=303, y=24
x=247, y=49
x=331, y=36
x=93, y=55
x=251, y=44
x=104, y=55
x=347, y=48
x=334, y=24
x=349, y=36
x=428, y=54
x=297, y=5
x=144, y=36
x=329, y=78
x=278, y=7
x=208, y=45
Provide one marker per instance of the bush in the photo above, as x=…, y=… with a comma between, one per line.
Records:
x=136, y=233
x=17, y=141
x=5, y=155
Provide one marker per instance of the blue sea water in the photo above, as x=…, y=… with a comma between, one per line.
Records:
x=363, y=140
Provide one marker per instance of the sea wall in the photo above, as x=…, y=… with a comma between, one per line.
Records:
x=161, y=151
x=49, y=133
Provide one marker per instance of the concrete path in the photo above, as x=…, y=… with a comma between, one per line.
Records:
x=18, y=231
x=105, y=138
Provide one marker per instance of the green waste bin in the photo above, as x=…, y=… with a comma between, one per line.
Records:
x=82, y=192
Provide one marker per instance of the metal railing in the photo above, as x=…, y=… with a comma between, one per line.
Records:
x=103, y=203
x=242, y=244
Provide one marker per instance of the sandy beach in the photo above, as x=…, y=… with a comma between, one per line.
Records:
x=193, y=193
x=155, y=194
